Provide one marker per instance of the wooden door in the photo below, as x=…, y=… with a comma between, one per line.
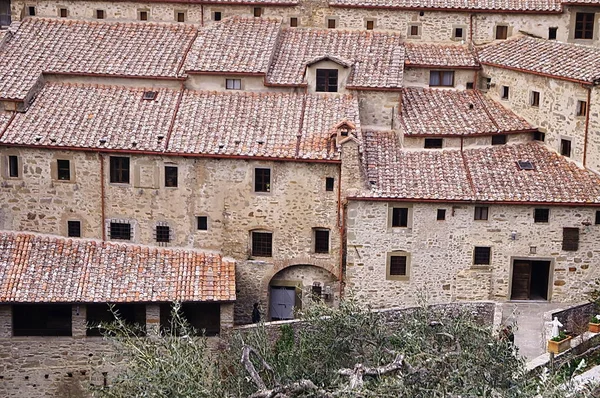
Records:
x=521, y=280
x=283, y=300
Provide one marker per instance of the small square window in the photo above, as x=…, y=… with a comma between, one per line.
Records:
x=433, y=143
x=539, y=136
x=400, y=217
x=63, y=12
x=327, y=80
x=481, y=213
x=163, y=233
x=470, y=85
x=552, y=33
x=119, y=169
x=321, y=241
x=541, y=215
x=120, y=231
x=294, y=22
x=458, y=33
x=535, y=99
x=74, y=229
x=398, y=266
x=329, y=183
x=505, y=92
x=370, y=24
x=262, y=244
x=181, y=17
x=31, y=11
x=233, y=84
x=482, y=255
x=218, y=15
x=413, y=30
x=99, y=14
x=202, y=222
x=439, y=78
x=581, y=108
x=257, y=11
x=584, y=25
x=565, y=147
x=499, y=139
x=262, y=180
x=13, y=166
x=570, y=239
x=441, y=214
x=331, y=23
x=143, y=15
x=171, y=176
x=63, y=168
x=597, y=222
x=501, y=32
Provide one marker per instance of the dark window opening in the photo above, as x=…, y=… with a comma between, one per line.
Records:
x=120, y=230
x=5, y=13
x=262, y=244
x=119, y=170
x=470, y=85
x=63, y=12
x=133, y=315
x=13, y=166
x=565, y=147
x=584, y=25
x=414, y=30
x=441, y=214
x=499, y=139
x=294, y=22
x=170, y=176
x=505, y=92
x=370, y=25
x=327, y=80
x=163, y=234
x=181, y=17
x=329, y=183
x=400, y=217
x=204, y=318
x=257, y=11
x=262, y=180
x=570, y=239
x=482, y=255
x=74, y=229
x=481, y=212
x=143, y=15
x=438, y=78
x=501, y=32
x=41, y=319
x=581, y=108
x=535, y=98
x=316, y=292
x=597, y=217
x=321, y=241
x=218, y=15
x=458, y=33
x=31, y=11
x=331, y=23
x=99, y=14
x=202, y=222
x=433, y=143
x=539, y=136
x=149, y=95
x=63, y=169
x=552, y=33
x=398, y=265
x=541, y=215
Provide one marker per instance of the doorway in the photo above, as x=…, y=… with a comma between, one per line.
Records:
x=530, y=280
x=282, y=302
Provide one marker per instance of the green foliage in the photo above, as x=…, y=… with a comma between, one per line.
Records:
x=595, y=319
x=561, y=336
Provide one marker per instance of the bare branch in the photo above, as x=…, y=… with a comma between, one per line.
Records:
x=357, y=374
x=294, y=388
x=246, y=350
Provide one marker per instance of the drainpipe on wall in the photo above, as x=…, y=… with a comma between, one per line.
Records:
x=102, y=214
x=341, y=226
x=470, y=31
x=202, y=15
x=587, y=123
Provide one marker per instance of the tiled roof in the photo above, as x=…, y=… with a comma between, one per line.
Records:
x=439, y=55
x=450, y=112
x=481, y=174
x=260, y=124
x=141, y=49
x=470, y=5
x=377, y=58
x=549, y=57
x=4, y=119
x=77, y=115
x=242, y=45
x=39, y=268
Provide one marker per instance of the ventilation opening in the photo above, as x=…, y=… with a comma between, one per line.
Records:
x=525, y=165
x=150, y=95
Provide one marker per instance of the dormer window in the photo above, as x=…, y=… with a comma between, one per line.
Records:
x=327, y=80
x=149, y=95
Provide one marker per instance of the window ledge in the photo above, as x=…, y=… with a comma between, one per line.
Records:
x=397, y=278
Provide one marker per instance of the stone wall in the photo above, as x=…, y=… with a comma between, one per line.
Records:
x=378, y=109
x=441, y=252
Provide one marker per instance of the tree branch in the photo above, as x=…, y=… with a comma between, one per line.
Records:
x=246, y=350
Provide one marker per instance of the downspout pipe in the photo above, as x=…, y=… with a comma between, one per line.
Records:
x=587, y=124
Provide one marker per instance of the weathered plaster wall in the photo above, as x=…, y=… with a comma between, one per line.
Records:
x=419, y=77
x=378, y=109
x=218, y=83
x=593, y=140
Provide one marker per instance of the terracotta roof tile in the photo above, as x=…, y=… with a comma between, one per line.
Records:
x=69, y=46
x=550, y=57
x=4, y=119
x=472, y=5
x=40, y=268
x=439, y=55
x=451, y=112
x=377, y=58
x=242, y=45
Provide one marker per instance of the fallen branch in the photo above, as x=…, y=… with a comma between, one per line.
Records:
x=357, y=374
x=294, y=388
x=246, y=350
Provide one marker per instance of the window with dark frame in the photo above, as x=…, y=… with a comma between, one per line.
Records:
x=163, y=234
x=433, y=143
x=482, y=255
x=535, y=98
x=398, y=266
x=400, y=217
x=439, y=78
x=481, y=213
x=181, y=17
x=565, y=147
x=262, y=180
x=13, y=166
x=441, y=214
x=217, y=16
x=233, y=84
x=119, y=230
x=257, y=12
x=74, y=229
x=501, y=32
x=329, y=183
x=294, y=22
x=262, y=244
x=458, y=33
x=499, y=139
x=581, y=108
x=31, y=11
x=331, y=23
x=505, y=92
x=119, y=170
x=149, y=95
x=570, y=239
x=414, y=30
x=541, y=215
x=143, y=15
x=552, y=33
x=99, y=14
x=202, y=223
x=321, y=241
x=171, y=176
x=370, y=25
x=63, y=169
x=584, y=25
x=63, y=12
x=327, y=80
x=539, y=136
x=597, y=217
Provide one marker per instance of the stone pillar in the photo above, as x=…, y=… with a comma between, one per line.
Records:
x=152, y=319
x=5, y=320
x=78, y=320
x=226, y=317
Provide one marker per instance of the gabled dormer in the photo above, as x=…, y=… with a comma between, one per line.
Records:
x=327, y=74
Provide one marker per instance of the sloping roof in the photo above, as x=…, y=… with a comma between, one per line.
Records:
x=549, y=57
x=134, y=49
x=242, y=45
x=425, y=111
x=466, y=5
x=41, y=268
x=481, y=174
x=4, y=119
x=377, y=57
x=78, y=115
x=439, y=55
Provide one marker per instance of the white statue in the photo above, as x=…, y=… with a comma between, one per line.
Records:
x=555, y=325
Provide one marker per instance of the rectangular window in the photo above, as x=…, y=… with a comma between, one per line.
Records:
x=331, y=23
x=441, y=214
x=570, y=239
x=565, y=147
x=63, y=168
x=120, y=230
x=370, y=24
x=163, y=233
x=262, y=244
x=321, y=241
x=262, y=180
x=501, y=32
x=499, y=139
x=181, y=17
x=31, y=11
x=505, y=92
x=398, y=266
x=257, y=11
x=597, y=217
x=74, y=229
x=458, y=33
x=217, y=16
x=63, y=12
x=541, y=215
x=481, y=213
x=482, y=255
x=13, y=166
x=539, y=136
x=132, y=314
x=414, y=30
x=170, y=176
x=294, y=22
x=202, y=222
x=584, y=25
x=42, y=319
x=327, y=80
x=438, y=78
x=433, y=143
x=552, y=33
x=535, y=98
x=119, y=170
x=233, y=84
x=316, y=292
x=329, y=182
x=400, y=217
x=143, y=15
x=470, y=85
x=581, y=108
x=204, y=318
x=99, y=14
